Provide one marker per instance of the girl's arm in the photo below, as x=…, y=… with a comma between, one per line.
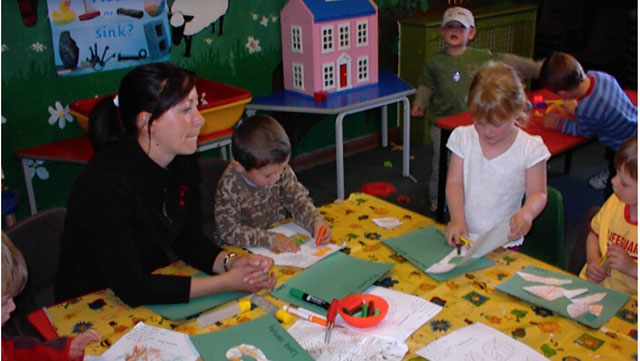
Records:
x=536, y=200
x=455, y=198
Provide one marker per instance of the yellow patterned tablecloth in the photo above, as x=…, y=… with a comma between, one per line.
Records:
x=467, y=298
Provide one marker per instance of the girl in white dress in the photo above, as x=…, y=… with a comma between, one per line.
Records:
x=494, y=163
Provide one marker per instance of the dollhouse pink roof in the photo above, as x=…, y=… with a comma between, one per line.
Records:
x=326, y=10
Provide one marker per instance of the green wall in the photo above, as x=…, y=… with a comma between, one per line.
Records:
x=30, y=85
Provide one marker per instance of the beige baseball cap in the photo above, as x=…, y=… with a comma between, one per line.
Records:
x=461, y=15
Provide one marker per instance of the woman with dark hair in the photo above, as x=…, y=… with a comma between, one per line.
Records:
x=135, y=206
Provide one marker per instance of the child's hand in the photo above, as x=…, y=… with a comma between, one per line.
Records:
x=550, y=120
x=595, y=272
x=570, y=106
x=76, y=348
x=454, y=231
x=520, y=224
x=326, y=237
x=258, y=262
x=618, y=258
x=417, y=112
x=283, y=243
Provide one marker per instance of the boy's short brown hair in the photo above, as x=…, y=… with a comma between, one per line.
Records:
x=258, y=141
x=14, y=269
x=561, y=71
x=626, y=158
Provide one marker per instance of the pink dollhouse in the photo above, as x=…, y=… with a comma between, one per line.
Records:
x=329, y=45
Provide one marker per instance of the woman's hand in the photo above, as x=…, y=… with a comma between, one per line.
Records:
x=283, y=243
x=520, y=224
x=76, y=348
x=250, y=279
x=454, y=230
x=326, y=237
x=618, y=258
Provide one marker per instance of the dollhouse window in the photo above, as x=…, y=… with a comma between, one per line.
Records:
x=363, y=69
x=298, y=76
x=328, y=76
x=327, y=39
x=363, y=33
x=296, y=39
x=343, y=37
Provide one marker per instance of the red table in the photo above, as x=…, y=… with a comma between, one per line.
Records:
x=557, y=142
x=78, y=150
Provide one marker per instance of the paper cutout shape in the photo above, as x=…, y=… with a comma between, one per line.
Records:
x=549, y=293
x=387, y=222
x=596, y=297
x=235, y=353
x=578, y=309
x=551, y=281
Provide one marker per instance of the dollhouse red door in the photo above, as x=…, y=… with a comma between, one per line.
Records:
x=343, y=76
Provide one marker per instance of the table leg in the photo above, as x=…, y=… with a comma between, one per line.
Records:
x=340, y=156
x=384, y=128
x=406, y=138
x=27, y=180
x=442, y=174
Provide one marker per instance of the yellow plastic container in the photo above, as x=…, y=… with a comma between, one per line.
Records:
x=224, y=106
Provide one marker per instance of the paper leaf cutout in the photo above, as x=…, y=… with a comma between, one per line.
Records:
x=551, y=281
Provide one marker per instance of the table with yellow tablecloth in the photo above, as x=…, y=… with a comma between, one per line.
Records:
x=467, y=298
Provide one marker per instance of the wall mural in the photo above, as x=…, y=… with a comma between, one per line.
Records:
x=236, y=42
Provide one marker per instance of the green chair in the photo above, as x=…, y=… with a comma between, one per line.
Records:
x=545, y=241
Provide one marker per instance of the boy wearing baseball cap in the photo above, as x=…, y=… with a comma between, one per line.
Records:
x=445, y=81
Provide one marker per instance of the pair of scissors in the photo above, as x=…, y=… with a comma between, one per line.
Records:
x=331, y=318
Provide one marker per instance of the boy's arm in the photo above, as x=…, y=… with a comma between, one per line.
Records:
x=525, y=67
x=421, y=100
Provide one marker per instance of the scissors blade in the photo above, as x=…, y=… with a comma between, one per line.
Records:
x=331, y=318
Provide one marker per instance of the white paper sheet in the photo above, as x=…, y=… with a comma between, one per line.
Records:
x=144, y=342
x=406, y=314
x=309, y=253
x=478, y=342
x=494, y=238
x=387, y=222
x=346, y=344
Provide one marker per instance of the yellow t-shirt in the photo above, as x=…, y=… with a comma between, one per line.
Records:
x=612, y=225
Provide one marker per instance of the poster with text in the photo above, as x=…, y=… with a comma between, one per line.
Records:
x=99, y=35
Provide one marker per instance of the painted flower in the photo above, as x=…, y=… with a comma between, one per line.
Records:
x=4, y=120
x=38, y=47
x=628, y=316
x=36, y=168
x=440, y=325
x=81, y=327
x=549, y=327
x=254, y=16
x=60, y=115
x=274, y=18
x=265, y=21
x=208, y=40
x=253, y=45
x=4, y=47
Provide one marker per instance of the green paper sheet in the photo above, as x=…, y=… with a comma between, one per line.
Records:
x=179, y=311
x=426, y=246
x=336, y=276
x=264, y=333
x=611, y=303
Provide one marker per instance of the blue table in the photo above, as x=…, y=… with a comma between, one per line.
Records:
x=389, y=89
